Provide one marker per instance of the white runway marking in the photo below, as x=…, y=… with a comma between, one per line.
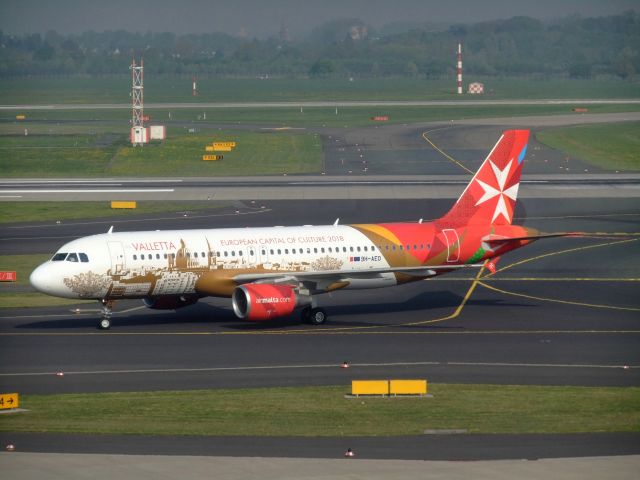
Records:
x=313, y=366
x=94, y=190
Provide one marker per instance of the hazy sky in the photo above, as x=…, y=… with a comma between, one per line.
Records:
x=263, y=17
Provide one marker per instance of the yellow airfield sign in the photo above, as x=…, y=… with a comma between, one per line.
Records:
x=9, y=400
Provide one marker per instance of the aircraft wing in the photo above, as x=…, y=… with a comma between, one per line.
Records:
x=338, y=275
x=498, y=239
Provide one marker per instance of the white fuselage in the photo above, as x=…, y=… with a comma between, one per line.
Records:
x=151, y=263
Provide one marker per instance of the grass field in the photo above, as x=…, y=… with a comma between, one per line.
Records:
x=13, y=294
x=324, y=411
x=102, y=154
x=612, y=147
x=116, y=89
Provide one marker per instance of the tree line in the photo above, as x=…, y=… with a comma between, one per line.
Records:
x=572, y=46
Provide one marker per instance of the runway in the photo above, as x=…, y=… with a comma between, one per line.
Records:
x=329, y=104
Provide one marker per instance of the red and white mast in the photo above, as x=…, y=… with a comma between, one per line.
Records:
x=459, y=68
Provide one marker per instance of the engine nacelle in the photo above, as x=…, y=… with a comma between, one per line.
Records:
x=258, y=302
x=172, y=302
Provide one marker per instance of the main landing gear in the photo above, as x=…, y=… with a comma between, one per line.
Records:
x=314, y=316
x=105, y=321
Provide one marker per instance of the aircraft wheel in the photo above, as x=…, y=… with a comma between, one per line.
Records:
x=317, y=316
x=105, y=324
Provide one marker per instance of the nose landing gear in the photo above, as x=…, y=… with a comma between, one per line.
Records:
x=105, y=321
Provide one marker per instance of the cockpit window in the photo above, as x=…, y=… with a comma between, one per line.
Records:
x=58, y=257
x=83, y=257
x=72, y=257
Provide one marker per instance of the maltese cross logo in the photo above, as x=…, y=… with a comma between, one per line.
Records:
x=491, y=191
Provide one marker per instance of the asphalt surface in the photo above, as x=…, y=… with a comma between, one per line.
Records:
x=559, y=312
x=557, y=317
x=341, y=103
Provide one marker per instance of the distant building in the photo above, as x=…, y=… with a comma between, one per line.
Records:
x=358, y=32
x=284, y=34
x=476, y=88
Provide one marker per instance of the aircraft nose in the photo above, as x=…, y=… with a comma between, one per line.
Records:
x=42, y=280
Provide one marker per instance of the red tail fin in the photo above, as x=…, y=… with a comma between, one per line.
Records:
x=490, y=197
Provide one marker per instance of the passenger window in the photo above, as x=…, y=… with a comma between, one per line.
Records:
x=401, y=247
x=315, y=250
x=142, y=257
x=202, y=255
x=271, y=252
x=358, y=248
x=308, y=250
x=279, y=252
x=286, y=251
x=322, y=250
x=233, y=253
x=59, y=257
x=165, y=256
x=366, y=249
x=240, y=253
x=351, y=249
x=330, y=250
x=251, y=253
x=157, y=256
x=135, y=257
x=83, y=257
x=72, y=257
x=226, y=254
x=344, y=249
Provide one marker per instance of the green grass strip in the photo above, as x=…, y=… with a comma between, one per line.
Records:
x=610, y=146
x=101, y=154
x=324, y=411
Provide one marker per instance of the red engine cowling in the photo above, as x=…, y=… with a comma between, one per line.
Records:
x=170, y=302
x=259, y=302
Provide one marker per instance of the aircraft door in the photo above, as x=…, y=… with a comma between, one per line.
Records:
x=453, y=245
x=264, y=256
x=118, y=261
x=252, y=256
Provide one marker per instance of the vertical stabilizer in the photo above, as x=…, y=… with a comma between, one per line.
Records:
x=490, y=196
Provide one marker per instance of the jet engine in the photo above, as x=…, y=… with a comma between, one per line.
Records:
x=172, y=302
x=260, y=302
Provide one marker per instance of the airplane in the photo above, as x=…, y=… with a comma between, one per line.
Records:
x=268, y=272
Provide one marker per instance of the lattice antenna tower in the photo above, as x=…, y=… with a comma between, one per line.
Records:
x=137, y=98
